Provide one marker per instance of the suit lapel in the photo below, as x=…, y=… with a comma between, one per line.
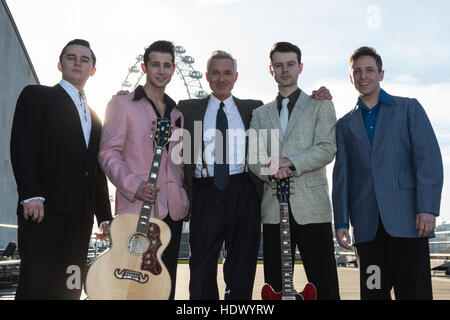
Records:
x=356, y=125
x=385, y=115
x=197, y=113
x=199, y=109
x=300, y=104
x=96, y=130
x=246, y=113
x=66, y=102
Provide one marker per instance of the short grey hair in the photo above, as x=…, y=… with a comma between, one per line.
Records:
x=219, y=54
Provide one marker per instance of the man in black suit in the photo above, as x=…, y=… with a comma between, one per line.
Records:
x=224, y=210
x=54, y=147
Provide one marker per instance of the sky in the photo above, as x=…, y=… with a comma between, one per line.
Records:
x=412, y=37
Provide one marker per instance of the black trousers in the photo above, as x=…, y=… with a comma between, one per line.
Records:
x=315, y=244
x=53, y=256
x=231, y=217
x=399, y=263
x=170, y=254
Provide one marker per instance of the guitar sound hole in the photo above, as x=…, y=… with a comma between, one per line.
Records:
x=138, y=244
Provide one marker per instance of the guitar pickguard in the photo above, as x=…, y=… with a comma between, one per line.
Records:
x=149, y=259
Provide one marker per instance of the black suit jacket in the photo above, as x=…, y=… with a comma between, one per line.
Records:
x=50, y=158
x=194, y=110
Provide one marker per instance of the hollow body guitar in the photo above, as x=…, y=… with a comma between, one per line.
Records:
x=288, y=292
x=132, y=268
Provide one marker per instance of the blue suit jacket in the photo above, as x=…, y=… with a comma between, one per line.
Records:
x=400, y=175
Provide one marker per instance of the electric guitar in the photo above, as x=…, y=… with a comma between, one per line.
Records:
x=288, y=292
x=132, y=268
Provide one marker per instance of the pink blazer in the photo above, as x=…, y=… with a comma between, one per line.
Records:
x=126, y=153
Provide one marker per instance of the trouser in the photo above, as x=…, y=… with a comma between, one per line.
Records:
x=53, y=256
x=170, y=254
x=230, y=217
x=387, y=262
x=315, y=243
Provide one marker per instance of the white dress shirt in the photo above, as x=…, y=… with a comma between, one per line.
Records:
x=82, y=108
x=236, y=137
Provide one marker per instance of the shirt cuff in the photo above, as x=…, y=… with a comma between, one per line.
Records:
x=30, y=199
x=342, y=226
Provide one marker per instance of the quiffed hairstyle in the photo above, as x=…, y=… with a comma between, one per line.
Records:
x=286, y=47
x=366, y=51
x=219, y=54
x=79, y=42
x=162, y=46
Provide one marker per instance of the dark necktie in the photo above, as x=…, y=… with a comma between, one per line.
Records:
x=221, y=167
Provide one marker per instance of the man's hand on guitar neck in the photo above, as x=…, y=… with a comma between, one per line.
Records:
x=285, y=168
x=146, y=192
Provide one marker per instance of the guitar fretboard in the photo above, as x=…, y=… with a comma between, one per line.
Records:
x=146, y=208
x=286, y=255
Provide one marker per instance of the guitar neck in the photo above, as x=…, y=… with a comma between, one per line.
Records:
x=146, y=209
x=286, y=251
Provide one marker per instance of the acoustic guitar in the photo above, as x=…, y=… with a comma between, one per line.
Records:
x=288, y=292
x=132, y=268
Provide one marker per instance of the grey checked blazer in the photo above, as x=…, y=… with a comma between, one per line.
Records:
x=310, y=144
x=398, y=176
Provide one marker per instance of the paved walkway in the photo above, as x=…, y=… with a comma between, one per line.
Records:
x=348, y=283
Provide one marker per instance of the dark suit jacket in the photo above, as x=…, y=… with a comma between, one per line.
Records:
x=397, y=177
x=50, y=158
x=194, y=110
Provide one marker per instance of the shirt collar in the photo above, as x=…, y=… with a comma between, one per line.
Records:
x=293, y=97
x=139, y=93
x=216, y=102
x=70, y=89
x=384, y=98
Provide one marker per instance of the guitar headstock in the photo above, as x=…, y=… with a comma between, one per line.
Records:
x=283, y=190
x=162, y=132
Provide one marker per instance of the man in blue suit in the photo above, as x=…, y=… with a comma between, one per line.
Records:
x=387, y=183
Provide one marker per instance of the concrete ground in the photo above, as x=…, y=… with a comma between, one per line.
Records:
x=348, y=283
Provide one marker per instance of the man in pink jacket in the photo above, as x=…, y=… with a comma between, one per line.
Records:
x=126, y=149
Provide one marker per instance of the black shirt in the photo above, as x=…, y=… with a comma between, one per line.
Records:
x=293, y=97
x=139, y=93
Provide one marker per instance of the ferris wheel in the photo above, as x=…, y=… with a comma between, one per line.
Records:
x=185, y=70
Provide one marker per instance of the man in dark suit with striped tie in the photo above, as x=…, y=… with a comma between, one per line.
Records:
x=387, y=183
x=224, y=202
